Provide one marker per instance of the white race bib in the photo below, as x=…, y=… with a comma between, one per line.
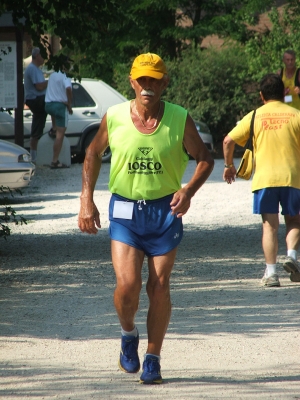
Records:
x=288, y=98
x=123, y=209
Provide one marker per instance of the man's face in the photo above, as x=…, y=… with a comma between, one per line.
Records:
x=39, y=59
x=148, y=90
x=289, y=60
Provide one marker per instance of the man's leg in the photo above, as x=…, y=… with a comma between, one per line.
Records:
x=270, y=248
x=159, y=313
x=270, y=237
x=33, y=143
x=58, y=142
x=37, y=126
x=158, y=290
x=39, y=115
x=292, y=232
x=292, y=244
x=127, y=262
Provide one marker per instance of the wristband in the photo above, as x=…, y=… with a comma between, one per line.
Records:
x=228, y=165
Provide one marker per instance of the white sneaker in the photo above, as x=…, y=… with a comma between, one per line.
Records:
x=292, y=267
x=270, y=281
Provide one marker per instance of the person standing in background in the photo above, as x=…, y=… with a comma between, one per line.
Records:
x=290, y=76
x=276, y=180
x=35, y=86
x=58, y=104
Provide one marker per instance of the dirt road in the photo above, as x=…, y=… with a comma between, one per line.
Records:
x=228, y=337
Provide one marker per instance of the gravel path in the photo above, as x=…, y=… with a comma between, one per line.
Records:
x=60, y=337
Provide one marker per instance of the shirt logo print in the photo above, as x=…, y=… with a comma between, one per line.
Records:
x=145, y=150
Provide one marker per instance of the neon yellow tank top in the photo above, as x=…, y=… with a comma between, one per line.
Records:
x=290, y=83
x=146, y=166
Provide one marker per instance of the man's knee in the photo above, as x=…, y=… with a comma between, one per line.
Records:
x=158, y=287
x=292, y=222
x=128, y=290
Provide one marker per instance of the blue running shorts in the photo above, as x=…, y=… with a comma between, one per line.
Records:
x=59, y=111
x=152, y=228
x=266, y=201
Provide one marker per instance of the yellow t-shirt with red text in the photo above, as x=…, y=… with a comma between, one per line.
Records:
x=290, y=83
x=276, y=145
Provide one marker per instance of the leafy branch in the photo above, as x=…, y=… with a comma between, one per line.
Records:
x=7, y=213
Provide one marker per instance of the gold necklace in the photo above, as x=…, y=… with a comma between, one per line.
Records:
x=155, y=123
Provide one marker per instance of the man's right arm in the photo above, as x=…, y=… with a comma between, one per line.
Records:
x=229, y=168
x=37, y=79
x=89, y=218
x=40, y=86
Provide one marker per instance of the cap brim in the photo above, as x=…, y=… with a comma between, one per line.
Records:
x=151, y=74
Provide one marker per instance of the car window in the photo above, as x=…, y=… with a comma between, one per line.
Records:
x=202, y=127
x=81, y=98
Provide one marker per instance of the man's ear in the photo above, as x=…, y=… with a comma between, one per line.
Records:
x=166, y=80
x=130, y=80
x=262, y=97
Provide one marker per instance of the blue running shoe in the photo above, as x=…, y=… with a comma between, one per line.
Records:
x=129, y=359
x=151, y=371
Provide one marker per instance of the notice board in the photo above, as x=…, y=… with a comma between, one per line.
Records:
x=8, y=74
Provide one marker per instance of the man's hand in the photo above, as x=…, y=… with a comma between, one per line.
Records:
x=297, y=90
x=89, y=217
x=180, y=203
x=229, y=174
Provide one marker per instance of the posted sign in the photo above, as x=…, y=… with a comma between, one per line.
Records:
x=8, y=74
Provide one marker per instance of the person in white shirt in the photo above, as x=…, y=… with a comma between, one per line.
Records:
x=58, y=103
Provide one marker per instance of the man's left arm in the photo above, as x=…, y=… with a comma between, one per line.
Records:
x=297, y=88
x=69, y=96
x=196, y=148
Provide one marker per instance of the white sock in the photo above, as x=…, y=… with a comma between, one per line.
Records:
x=33, y=155
x=134, y=332
x=271, y=269
x=293, y=254
x=154, y=355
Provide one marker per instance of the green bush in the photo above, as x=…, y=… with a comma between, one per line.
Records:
x=7, y=213
x=214, y=86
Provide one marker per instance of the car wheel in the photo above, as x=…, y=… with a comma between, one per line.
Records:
x=106, y=156
x=89, y=137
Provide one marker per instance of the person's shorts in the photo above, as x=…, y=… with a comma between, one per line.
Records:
x=152, y=228
x=266, y=201
x=59, y=111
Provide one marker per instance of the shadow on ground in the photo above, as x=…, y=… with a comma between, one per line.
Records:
x=66, y=290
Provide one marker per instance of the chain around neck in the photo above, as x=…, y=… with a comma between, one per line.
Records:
x=142, y=122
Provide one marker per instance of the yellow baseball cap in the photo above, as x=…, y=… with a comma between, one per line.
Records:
x=148, y=65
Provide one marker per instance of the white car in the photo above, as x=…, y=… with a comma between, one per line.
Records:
x=16, y=168
x=205, y=135
x=91, y=99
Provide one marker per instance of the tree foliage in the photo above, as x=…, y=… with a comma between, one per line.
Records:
x=265, y=51
x=221, y=86
x=217, y=86
x=104, y=33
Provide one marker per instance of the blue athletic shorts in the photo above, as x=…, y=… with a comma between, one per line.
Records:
x=59, y=111
x=266, y=201
x=152, y=228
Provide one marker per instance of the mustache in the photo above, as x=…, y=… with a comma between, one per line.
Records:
x=146, y=92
